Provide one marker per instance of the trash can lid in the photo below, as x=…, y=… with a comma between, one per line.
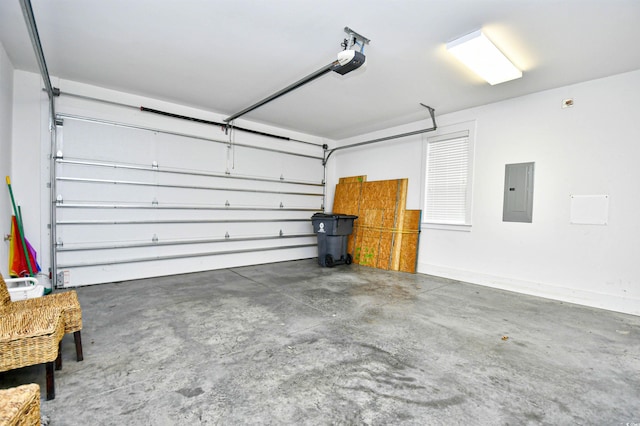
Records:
x=333, y=216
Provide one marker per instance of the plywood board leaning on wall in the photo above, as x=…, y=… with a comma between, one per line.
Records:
x=388, y=196
x=410, y=238
x=347, y=201
x=377, y=238
x=367, y=246
x=347, y=198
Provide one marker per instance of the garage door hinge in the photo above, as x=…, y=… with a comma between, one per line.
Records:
x=227, y=236
x=59, y=122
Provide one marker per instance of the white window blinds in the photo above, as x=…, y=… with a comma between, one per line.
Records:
x=448, y=166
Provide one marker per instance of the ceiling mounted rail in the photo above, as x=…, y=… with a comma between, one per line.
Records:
x=348, y=60
x=386, y=138
x=322, y=71
x=30, y=20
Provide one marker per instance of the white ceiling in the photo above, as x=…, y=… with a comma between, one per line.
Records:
x=224, y=55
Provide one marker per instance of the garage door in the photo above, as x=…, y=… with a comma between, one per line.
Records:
x=136, y=202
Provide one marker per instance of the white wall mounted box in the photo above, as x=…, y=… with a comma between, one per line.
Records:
x=589, y=209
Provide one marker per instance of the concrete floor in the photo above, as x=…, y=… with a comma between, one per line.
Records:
x=293, y=343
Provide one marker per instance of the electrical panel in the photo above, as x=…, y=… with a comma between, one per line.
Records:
x=518, y=193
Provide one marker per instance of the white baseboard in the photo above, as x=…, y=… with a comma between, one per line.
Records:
x=580, y=297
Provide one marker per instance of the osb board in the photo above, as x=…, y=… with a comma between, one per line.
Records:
x=352, y=240
x=381, y=194
x=353, y=179
x=350, y=197
x=378, y=196
x=398, y=225
x=377, y=237
x=347, y=198
x=410, y=238
x=367, y=250
x=389, y=195
x=347, y=201
x=387, y=238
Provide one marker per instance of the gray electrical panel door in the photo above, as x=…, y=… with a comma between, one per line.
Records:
x=518, y=193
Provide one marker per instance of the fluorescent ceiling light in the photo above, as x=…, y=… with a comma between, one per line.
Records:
x=477, y=52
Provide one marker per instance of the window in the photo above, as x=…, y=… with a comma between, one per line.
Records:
x=448, y=178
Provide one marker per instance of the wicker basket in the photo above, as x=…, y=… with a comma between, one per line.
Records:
x=30, y=337
x=20, y=406
x=66, y=301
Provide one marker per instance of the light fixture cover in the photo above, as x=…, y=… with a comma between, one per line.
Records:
x=478, y=53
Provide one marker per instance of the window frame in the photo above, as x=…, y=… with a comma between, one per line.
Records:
x=455, y=131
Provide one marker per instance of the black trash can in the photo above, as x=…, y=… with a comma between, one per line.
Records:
x=333, y=231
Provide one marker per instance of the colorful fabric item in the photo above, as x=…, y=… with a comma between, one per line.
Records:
x=17, y=262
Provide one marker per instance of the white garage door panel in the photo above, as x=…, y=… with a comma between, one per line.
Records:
x=88, y=140
x=275, y=165
x=95, y=192
x=130, y=271
x=135, y=203
x=139, y=254
x=96, y=232
x=76, y=214
x=190, y=154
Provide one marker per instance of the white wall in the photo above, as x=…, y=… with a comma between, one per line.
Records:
x=591, y=148
x=6, y=108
